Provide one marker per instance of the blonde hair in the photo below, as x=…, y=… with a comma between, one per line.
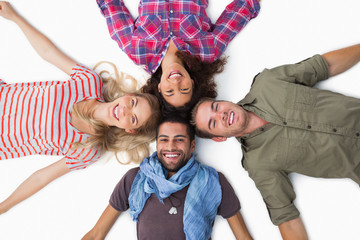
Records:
x=135, y=145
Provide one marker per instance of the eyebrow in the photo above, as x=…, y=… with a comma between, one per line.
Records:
x=212, y=109
x=180, y=136
x=172, y=94
x=136, y=119
x=176, y=136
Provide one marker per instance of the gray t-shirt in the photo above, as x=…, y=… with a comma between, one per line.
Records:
x=155, y=222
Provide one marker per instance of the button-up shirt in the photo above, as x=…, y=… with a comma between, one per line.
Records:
x=147, y=39
x=310, y=131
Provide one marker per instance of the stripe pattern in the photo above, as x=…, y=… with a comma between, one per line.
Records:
x=35, y=117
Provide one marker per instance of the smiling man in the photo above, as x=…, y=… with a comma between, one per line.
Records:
x=171, y=195
x=284, y=125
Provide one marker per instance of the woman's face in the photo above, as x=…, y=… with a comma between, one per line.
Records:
x=129, y=112
x=175, y=85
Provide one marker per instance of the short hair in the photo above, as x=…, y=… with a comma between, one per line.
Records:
x=178, y=119
x=200, y=133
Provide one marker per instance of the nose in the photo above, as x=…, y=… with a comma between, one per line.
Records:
x=174, y=80
x=124, y=111
x=221, y=115
x=171, y=145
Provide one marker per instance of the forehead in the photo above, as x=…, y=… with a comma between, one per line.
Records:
x=172, y=129
x=203, y=114
x=144, y=110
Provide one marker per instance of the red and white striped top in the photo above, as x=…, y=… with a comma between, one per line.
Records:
x=35, y=117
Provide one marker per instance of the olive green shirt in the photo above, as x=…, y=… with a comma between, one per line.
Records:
x=312, y=132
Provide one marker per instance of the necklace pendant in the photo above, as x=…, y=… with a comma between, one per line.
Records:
x=173, y=210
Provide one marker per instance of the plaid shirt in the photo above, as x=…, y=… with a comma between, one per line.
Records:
x=146, y=39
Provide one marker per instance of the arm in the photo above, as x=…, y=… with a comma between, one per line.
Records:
x=293, y=230
x=234, y=18
x=42, y=45
x=34, y=183
x=341, y=60
x=119, y=21
x=238, y=227
x=103, y=225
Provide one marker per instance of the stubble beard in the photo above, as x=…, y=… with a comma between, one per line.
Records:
x=173, y=168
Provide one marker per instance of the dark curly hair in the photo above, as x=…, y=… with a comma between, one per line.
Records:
x=204, y=85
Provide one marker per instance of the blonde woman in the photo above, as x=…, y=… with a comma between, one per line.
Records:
x=78, y=119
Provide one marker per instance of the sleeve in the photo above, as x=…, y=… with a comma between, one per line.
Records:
x=307, y=72
x=119, y=199
x=119, y=21
x=91, y=83
x=230, y=203
x=81, y=158
x=278, y=194
x=2, y=82
x=232, y=20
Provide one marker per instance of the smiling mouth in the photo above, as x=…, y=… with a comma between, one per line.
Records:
x=231, y=118
x=171, y=156
x=116, y=112
x=174, y=74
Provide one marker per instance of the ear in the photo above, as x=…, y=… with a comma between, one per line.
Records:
x=219, y=139
x=192, y=146
x=159, y=88
x=131, y=131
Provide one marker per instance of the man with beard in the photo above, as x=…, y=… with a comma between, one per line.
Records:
x=171, y=195
x=284, y=125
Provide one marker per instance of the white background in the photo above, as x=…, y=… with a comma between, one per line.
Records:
x=286, y=31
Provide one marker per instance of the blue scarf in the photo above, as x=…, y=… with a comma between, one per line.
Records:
x=202, y=199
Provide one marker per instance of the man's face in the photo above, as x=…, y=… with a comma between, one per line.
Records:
x=173, y=146
x=221, y=118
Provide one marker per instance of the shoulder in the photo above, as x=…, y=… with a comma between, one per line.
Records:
x=81, y=71
x=223, y=180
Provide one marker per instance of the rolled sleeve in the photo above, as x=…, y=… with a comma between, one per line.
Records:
x=234, y=18
x=278, y=194
x=307, y=72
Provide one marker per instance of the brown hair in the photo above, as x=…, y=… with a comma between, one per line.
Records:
x=135, y=145
x=198, y=132
x=204, y=85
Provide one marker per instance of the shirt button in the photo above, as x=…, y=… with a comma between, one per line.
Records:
x=285, y=123
x=309, y=127
x=334, y=130
x=171, y=11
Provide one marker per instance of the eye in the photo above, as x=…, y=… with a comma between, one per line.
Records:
x=132, y=102
x=214, y=124
x=180, y=140
x=184, y=89
x=133, y=119
x=163, y=140
x=216, y=107
x=169, y=91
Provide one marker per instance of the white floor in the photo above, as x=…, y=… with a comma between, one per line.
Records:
x=286, y=31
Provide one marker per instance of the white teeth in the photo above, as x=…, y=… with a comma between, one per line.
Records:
x=171, y=155
x=116, y=113
x=231, y=118
x=174, y=75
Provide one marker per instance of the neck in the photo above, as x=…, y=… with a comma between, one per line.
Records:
x=170, y=56
x=81, y=124
x=170, y=174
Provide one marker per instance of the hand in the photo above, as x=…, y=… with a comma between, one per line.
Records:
x=3, y=209
x=7, y=11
